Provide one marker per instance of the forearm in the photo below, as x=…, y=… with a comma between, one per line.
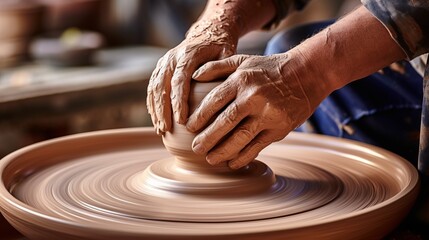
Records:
x=352, y=48
x=238, y=17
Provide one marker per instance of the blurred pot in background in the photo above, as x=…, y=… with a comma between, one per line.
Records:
x=70, y=32
x=19, y=21
x=72, y=48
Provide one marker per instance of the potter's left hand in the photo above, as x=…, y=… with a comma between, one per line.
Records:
x=261, y=101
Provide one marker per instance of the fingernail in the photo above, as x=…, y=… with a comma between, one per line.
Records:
x=196, y=74
x=190, y=126
x=212, y=160
x=198, y=148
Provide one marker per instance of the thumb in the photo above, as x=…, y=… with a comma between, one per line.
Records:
x=218, y=69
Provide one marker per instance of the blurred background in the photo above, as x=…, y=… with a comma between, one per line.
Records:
x=70, y=66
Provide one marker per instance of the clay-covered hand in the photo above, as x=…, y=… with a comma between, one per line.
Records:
x=262, y=100
x=169, y=84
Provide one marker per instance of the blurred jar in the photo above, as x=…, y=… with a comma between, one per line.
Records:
x=19, y=22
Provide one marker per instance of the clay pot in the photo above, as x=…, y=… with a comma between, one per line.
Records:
x=179, y=140
x=19, y=21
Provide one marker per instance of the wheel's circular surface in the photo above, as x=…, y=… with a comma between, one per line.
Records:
x=106, y=184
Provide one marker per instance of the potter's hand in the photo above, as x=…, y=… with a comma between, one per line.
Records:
x=169, y=84
x=261, y=101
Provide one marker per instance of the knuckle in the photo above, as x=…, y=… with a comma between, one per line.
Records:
x=189, y=48
x=170, y=54
x=230, y=115
x=244, y=133
x=239, y=75
x=224, y=152
x=206, y=115
x=234, y=112
x=243, y=57
x=234, y=109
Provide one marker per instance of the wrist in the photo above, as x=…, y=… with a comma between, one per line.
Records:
x=214, y=31
x=315, y=83
x=214, y=26
x=235, y=18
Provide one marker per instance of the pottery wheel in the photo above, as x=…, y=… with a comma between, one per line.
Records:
x=124, y=184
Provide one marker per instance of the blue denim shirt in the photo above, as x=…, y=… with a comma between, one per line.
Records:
x=408, y=24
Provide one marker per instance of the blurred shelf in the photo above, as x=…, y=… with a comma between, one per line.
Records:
x=115, y=66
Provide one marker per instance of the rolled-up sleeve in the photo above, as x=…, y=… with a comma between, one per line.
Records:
x=407, y=22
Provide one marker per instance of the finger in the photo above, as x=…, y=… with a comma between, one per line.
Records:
x=181, y=84
x=150, y=105
x=251, y=151
x=150, y=95
x=215, y=100
x=231, y=147
x=165, y=123
x=222, y=125
x=217, y=69
x=160, y=90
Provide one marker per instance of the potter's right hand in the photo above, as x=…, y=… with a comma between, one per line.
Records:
x=262, y=99
x=169, y=84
